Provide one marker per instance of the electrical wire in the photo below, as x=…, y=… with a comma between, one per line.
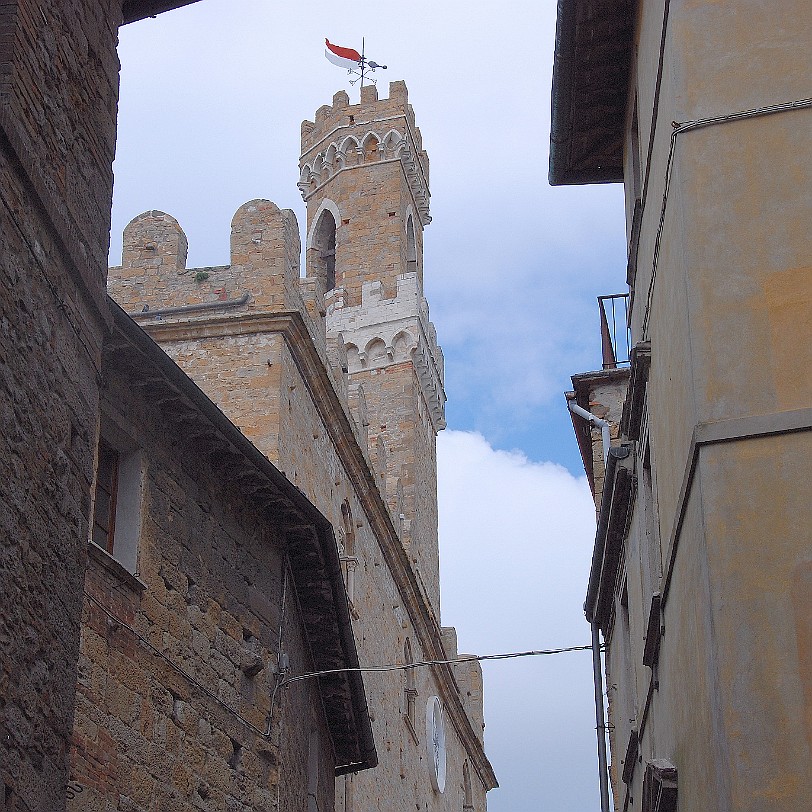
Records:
x=280, y=672
x=467, y=658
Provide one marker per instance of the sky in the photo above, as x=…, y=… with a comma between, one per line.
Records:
x=212, y=98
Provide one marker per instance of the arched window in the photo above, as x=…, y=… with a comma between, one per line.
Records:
x=467, y=793
x=324, y=243
x=371, y=152
x=411, y=247
x=348, y=559
x=409, y=689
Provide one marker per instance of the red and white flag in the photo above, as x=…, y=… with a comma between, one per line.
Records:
x=347, y=58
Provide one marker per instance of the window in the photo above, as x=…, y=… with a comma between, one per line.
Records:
x=411, y=247
x=325, y=244
x=660, y=786
x=371, y=152
x=104, y=506
x=349, y=561
x=467, y=793
x=409, y=690
x=117, y=499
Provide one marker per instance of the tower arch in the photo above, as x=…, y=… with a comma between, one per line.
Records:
x=321, y=244
x=411, y=245
x=371, y=148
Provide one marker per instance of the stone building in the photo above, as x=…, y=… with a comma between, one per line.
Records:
x=174, y=667
x=702, y=570
x=210, y=577
x=337, y=378
x=58, y=97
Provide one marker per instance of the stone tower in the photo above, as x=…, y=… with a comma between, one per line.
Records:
x=337, y=379
x=364, y=176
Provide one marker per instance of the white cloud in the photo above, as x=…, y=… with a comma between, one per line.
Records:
x=515, y=542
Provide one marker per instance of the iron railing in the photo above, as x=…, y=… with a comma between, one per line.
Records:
x=615, y=335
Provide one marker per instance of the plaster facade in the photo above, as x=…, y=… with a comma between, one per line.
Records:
x=705, y=610
x=337, y=378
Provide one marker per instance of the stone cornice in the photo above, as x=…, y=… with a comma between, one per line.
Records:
x=341, y=431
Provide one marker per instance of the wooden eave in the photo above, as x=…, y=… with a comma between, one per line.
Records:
x=590, y=81
x=309, y=540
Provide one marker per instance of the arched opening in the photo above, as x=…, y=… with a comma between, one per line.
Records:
x=411, y=247
x=371, y=152
x=349, y=149
x=324, y=243
x=467, y=793
x=409, y=687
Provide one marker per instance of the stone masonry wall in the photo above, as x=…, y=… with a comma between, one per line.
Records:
x=366, y=162
x=176, y=722
x=58, y=95
x=219, y=348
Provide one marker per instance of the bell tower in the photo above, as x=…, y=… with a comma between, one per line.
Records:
x=364, y=176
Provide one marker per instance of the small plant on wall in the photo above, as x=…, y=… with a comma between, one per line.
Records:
x=201, y=276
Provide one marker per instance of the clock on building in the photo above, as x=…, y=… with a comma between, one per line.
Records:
x=435, y=742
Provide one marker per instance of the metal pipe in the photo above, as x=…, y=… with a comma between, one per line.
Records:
x=600, y=718
x=603, y=425
x=597, y=676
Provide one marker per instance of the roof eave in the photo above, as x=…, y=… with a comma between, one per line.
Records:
x=363, y=753
x=573, y=102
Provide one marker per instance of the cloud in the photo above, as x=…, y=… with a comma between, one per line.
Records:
x=515, y=543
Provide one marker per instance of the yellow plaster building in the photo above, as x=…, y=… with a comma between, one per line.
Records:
x=702, y=573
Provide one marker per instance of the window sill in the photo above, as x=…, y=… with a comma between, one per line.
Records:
x=107, y=562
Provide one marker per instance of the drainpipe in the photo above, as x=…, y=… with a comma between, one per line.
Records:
x=603, y=425
x=597, y=677
x=600, y=719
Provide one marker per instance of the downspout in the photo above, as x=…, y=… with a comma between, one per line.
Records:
x=603, y=425
x=600, y=719
x=597, y=677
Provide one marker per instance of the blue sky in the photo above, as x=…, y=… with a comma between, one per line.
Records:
x=212, y=97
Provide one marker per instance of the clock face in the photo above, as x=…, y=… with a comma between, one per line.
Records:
x=435, y=742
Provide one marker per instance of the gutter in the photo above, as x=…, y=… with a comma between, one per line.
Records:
x=603, y=425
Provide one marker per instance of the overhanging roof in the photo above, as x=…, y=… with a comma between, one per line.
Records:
x=593, y=40
x=310, y=543
x=138, y=9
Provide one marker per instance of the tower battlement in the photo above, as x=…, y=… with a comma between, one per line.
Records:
x=348, y=136
x=383, y=331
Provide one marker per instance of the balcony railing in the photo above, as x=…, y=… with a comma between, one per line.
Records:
x=615, y=335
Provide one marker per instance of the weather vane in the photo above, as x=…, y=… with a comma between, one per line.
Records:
x=356, y=64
